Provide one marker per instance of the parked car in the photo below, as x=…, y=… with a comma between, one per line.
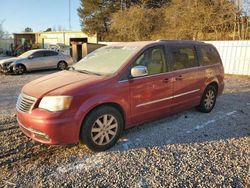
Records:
x=117, y=87
x=35, y=60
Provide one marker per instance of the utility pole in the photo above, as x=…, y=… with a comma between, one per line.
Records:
x=69, y=14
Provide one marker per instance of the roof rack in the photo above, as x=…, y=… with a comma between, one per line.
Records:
x=164, y=40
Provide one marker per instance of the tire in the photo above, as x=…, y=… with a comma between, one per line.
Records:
x=97, y=135
x=208, y=99
x=19, y=69
x=62, y=65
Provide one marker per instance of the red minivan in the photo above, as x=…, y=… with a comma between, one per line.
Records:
x=117, y=87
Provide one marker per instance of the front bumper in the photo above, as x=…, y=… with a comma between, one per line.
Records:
x=6, y=69
x=49, y=128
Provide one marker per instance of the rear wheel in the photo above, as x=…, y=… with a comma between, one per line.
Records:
x=19, y=69
x=102, y=128
x=62, y=65
x=208, y=99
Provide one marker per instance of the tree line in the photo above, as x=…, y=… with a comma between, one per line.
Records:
x=134, y=20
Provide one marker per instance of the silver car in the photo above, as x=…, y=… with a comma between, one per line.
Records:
x=35, y=60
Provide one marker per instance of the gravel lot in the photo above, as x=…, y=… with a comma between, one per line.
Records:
x=189, y=149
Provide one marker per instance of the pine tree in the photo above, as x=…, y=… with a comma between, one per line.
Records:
x=95, y=16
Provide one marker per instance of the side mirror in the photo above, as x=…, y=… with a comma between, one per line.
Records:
x=31, y=57
x=139, y=71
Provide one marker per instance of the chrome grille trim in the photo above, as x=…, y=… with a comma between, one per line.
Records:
x=25, y=102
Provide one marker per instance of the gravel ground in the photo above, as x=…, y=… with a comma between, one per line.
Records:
x=189, y=149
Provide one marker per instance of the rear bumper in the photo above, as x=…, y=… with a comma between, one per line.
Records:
x=221, y=88
x=48, y=128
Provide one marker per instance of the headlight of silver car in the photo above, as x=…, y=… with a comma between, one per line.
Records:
x=55, y=103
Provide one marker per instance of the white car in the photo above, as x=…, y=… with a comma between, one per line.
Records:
x=35, y=60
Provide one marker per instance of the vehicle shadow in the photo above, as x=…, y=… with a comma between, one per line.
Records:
x=229, y=119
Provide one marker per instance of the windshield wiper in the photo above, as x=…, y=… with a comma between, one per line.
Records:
x=87, y=72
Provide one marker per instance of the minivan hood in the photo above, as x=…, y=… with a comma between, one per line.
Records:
x=52, y=82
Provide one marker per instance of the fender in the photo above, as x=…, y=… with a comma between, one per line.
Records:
x=92, y=103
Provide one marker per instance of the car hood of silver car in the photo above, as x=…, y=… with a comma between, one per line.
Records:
x=9, y=60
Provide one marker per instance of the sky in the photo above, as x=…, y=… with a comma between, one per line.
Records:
x=38, y=14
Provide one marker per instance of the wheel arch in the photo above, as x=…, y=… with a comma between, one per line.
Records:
x=208, y=82
x=62, y=60
x=15, y=65
x=111, y=104
x=215, y=84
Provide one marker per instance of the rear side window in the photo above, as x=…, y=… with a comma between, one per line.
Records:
x=209, y=56
x=183, y=57
x=50, y=53
x=38, y=54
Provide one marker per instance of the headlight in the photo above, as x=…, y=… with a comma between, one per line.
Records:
x=55, y=103
x=7, y=64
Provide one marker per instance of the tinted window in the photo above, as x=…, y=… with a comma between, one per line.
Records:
x=38, y=54
x=154, y=59
x=50, y=53
x=183, y=57
x=209, y=56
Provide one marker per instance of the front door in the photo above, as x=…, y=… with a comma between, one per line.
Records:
x=151, y=95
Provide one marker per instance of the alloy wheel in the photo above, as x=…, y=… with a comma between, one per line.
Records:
x=19, y=69
x=104, y=129
x=62, y=66
x=209, y=99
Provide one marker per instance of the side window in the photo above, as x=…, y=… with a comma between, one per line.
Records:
x=38, y=54
x=154, y=59
x=209, y=56
x=50, y=53
x=183, y=57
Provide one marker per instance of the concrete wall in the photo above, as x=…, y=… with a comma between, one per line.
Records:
x=235, y=56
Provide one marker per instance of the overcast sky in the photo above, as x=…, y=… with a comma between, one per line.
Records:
x=38, y=14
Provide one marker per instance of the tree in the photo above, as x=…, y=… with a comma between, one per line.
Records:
x=95, y=16
x=28, y=29
x=135, y=24
x=2, y=33
x=169, y=19
x=48, y=29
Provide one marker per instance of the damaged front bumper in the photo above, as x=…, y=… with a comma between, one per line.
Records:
x=6, y=69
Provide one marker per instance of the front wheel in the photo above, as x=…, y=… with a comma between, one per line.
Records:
x=19, y=69
x=102, y=128
x=208, y=99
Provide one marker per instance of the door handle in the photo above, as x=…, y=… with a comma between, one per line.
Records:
x=179, y=77
x=165, y=80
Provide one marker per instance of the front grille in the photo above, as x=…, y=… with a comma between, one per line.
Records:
x=25, y=102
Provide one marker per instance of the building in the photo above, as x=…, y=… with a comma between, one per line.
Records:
x=61, y=40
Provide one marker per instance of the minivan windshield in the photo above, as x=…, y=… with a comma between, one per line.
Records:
x=106, y=60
